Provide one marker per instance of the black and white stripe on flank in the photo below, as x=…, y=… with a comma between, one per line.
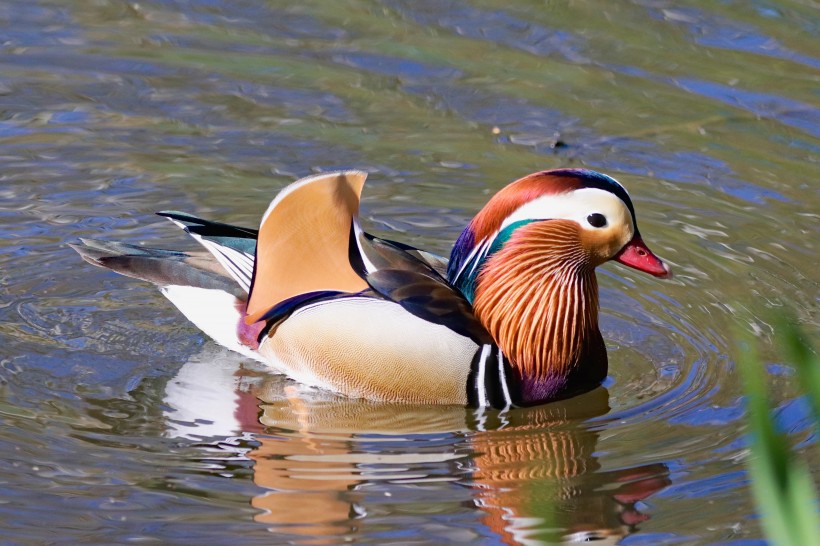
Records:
x=502, y=378
x=488, y=383
x=481, y=374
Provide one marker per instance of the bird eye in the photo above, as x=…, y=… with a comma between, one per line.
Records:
x=596, y=219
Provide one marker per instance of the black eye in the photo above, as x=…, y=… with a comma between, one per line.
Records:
x=596, y=219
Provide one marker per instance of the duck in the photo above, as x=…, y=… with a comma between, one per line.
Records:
x=509, y=320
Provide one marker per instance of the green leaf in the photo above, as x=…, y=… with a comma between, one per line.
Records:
x=781, y=483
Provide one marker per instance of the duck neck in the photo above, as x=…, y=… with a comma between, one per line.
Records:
x=538, y=298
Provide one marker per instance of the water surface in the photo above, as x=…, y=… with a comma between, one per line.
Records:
x=122, y=423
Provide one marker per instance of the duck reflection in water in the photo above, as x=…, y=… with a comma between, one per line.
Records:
x=335, y=469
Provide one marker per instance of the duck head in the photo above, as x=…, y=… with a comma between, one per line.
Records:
x=527, y=264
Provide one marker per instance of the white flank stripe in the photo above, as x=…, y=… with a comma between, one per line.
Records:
x=482, y=370
x=502, y=377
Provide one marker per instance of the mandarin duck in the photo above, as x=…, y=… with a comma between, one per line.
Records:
x=510, y=320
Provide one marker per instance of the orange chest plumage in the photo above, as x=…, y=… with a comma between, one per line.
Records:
x=537, y=295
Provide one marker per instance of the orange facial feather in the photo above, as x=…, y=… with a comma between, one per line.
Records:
x=538, y=297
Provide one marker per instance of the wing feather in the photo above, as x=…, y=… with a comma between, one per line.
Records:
x=232, y=246
x=303, y=241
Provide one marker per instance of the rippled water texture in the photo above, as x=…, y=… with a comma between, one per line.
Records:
x=121, y=423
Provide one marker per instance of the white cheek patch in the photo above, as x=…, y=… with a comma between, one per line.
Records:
x=576, y=205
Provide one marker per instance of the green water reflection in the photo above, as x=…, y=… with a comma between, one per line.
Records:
x=122, y=423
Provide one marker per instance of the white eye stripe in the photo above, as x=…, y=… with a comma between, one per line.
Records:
x=575, y=205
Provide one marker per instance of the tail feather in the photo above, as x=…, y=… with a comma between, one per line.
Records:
x=239, y=238
x=158, y=266
x=93, y=249
x=234, y=247
x=195, y=282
